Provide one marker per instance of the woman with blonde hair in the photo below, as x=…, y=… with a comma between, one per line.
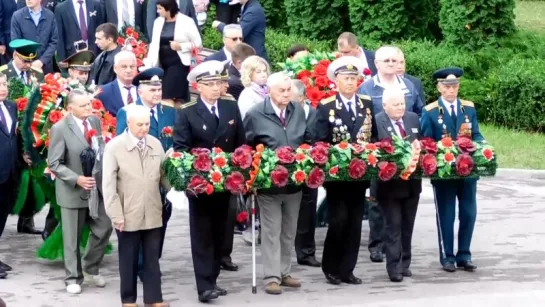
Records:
x=253, y=74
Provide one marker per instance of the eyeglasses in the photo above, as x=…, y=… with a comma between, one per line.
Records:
x=389, y=60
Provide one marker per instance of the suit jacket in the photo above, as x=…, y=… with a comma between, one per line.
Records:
x=312, y=117
x=217, y=56
x=65, y=146
x=9, y=150
x=398, y=188
x=166, y=117
x=418, y=86
x=131, y=182
x=111, y=97
x=10, y=72
x=49, y=4
x=196, y=127
x=370, y=56
x=102, y=69
x=235, y=84
x=110, y=13
x=186, y=7
x=254, y=24
x=7, y=8
x=69, y=29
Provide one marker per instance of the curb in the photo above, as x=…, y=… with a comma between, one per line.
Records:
x=521, y=173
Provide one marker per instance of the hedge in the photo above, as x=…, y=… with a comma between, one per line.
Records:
x=319, y=19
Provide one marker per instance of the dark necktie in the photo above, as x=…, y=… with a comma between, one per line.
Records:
x=129, y=96
x=82, y=24
x=453, y=114
x=152, y=115
x=349, y=104
x=213, y=108
x=23, y=77
x=3, y=121
x=401, y=130
x=282, y=118
x=85, y=131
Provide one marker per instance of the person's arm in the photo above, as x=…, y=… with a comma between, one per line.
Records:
x=16, y=32
x=426, y=126
x=55, y=157
x=194, y=37
x=112, y=202
x=418, y=103
x=49, y=53
x=182, y=133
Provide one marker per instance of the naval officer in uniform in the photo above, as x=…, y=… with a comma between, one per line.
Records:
x=453, y=117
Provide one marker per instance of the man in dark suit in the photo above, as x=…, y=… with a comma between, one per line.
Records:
x=102, y=70
x=232, y=36
x=401, y=72
x=240, y=53
x=7, y=8
x=77, y=21
x=125, y=12
x=398, y=198
x=186, y=7
x=9, y=151
x=121, y=91
x=253, y=23
x=347, y=44
x=206, y=123
x=344, y=117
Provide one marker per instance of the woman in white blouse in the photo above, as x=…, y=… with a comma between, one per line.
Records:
x=253, y=74
x=174, y=36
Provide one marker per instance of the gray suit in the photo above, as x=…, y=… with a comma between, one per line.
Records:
x=66, y=144
x=186, y=7
x=279, y=207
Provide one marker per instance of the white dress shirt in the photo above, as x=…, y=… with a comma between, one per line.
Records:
x=76, y=8
x=306, y=107
x=130, y=7
x=154, y=111
x=352, y=109
x=9, y=120
x=227, y=54
x=80, y=124
x=448, y=104
x=125, y=92
x=209, y=106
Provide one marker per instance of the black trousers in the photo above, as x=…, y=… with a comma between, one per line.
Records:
x=346, y=202
x=227, y=13
x=129, y=243
x=376, y=222
x=207, y=218
x=399, y=216
x=7, y=201
x=305, y=245
x=230, y=223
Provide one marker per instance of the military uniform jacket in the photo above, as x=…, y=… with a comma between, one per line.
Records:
x=196, y=127
x=10, y=72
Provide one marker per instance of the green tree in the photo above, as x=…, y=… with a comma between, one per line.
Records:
x=378, y=20
x=275, y=13
x=317, y=19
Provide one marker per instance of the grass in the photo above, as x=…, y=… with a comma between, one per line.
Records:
x=530, y=15
x=516, y=149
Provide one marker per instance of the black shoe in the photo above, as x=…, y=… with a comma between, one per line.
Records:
x=467, y=266
x=449, y=267
x=376, y=257
x=5, y=267
x=407, y=273
x=26, y=225
x=229, y=266
x=3, y=273
x=332, y=279
x=208, y=295
x=353, y=280
x=221, y=291
x=310, y=261
x=396, y=278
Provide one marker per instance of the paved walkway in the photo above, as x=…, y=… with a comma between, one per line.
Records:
x=508, y=247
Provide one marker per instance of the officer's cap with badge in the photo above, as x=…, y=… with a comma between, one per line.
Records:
x=346, y=65
x=80, y=60
x=25, y=49
x=207, y=71
x=448, y=76
x=150, y=76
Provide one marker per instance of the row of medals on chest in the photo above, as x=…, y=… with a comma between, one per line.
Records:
x=465, y=129
x=340, y=131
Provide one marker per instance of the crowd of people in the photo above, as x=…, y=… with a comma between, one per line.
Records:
x=240, y=102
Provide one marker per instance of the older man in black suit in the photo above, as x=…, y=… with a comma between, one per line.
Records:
x=397, y=198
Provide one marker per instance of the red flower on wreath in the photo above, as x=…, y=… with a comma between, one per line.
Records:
x=97, y=105
x=358, y=149
x=356, y=168
x=465, y=144
x=429, y=164
x=299, y=176
x=197, y=185
x=387, y=170
x=90, y=134
x=209, y=189
x=202, y=163
x=300, y=157
x=386, y=145
x=198, y=151
x=246, y=148
x=55, y=116
x=319, y=155
x=429, y=145
x=216, y=177
x=304, y=146
x=449, y=157
x=321, y=81
x=447, y=142
x=279, y=176
x=334, y=171
x=316, y=178
x=167, y=131
x=304, y=74
x=235, y=183
x=320, y=70
x=176, y=155
x=217, y=150
x=488, y=154
x=285, y=155
x=242, y=217
x=220, y=161
x=21, y=103
x=370, y=147
x=322, y=144
x=372, y=160
x=314, y=95
x=464, y=165
x=241, y=158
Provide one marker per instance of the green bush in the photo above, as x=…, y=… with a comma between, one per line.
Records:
x=317, y=19
x=477, y=23
x=378, y=20
x=275, y=13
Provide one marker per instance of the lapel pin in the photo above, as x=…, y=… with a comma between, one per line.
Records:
x=360, y=115
x=440, y=121
x=415, y=130
x=93, y=13
x=203, y=127
x=389, y=128
x=232, y=121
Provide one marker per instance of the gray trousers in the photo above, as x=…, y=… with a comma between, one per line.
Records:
x=73, y=221
x=279, y=214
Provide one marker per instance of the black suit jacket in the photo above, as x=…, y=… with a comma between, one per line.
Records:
x=196, y=127
x=69, y=30
x=235, y=84
x=48, y=4
x=110, y=12
x=102, y=70
x=398, y=188
x=370, y=55
x=217, y=56
x=7, y=8
x=9, y=147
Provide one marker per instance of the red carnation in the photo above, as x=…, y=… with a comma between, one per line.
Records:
x=198, y=151
x=176, y=155
x=242, y=217
x=303, y=74
x=197, y=185
x=320, y=70
x=464, y=165
x=367, y=71
x=387, y=170
x=358, y=149
x=299, y=176
x=447, y=142
x=55, y=116
x=220, y=161
x=300, y=157
x=235, y=183
x=429, y=164
x=279, y=176
x=285, y=155
x=97, y=105
x=324, y=62
x=304, y=146
x=386, y=145
x=372, y=160
x=241, y=158
x=370, y=146
x=322, y=144
x=333, y=171
x=429, y=145
x=357, y=168
x=202, y=163
x=465, y=144
x=209, y=189
x=319, y=155
x=246, y=148
x=314, y=94
x=21, y=104
x=321, y=81
x=316, y=178
x=488, y=154
x=90, y=134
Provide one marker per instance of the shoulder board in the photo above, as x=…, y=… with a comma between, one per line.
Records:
x=467, y=103
x=189, y=104
x=228, y=98
x=3, y=67
x=167, y=104
x=432, y=106
x=37, y=70
x=365, y=97
x=328, y=99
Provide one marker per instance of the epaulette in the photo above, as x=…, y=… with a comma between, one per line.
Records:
x=189, y=104
x=167, y=103
x=3, y=67
x=467, y=103
x=328, y=100
x=228, y=97
x=37, y=70
x=366, y=97
x=432, y=106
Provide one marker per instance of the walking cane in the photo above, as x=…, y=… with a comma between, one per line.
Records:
x=254, y=287
x=441, y=243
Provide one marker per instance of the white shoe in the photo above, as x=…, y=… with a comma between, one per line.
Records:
x=97, y=280
x=73, y=289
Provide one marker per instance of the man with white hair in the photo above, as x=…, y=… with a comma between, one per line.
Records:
x=232, y=36
x=134, y=205
x=398, y=198
x=121, y=91
x=278, y=122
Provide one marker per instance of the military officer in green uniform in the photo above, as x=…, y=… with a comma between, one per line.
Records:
x=24, y=53
x=79, y=65
x=453, y=117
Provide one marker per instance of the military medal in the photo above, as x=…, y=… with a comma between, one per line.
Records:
x=389, y=129
x=440, y=121
x=331, y=119
x=331, y=116
x=440, y=117
x=467, y=119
